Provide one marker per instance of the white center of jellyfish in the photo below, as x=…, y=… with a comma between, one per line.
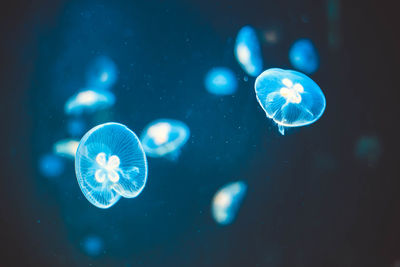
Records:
x=108, y=169
x=159, y=132
x=243, y=53
x=292, y=91
x=86, y=97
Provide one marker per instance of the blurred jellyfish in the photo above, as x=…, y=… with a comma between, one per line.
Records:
x=92, y=245
x=66, y=148
x=76, y=127
x=164, y=137
x=227, y=201
x=110, y=163
x=102, y=73
x=368, y=149
x=248, y=51
x=220, y=81
x=89, y=101
x=51, y=165
x=303, y=56
x=289, y=97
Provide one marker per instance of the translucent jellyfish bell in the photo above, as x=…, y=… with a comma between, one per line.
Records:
x=51, y=165
x=92, y=245
x=102, y=73
x=220, y=81
x=290, y=98
x=89, y=101
x=304, y=56
x=227, y=201
x=66, y=148
x=248, y=51
x=110, y=163
x=164, y=137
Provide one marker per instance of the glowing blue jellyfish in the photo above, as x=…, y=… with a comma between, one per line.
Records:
x=89, y=101
x=220, y=81
x=289, y=97
x=102, y=73
x=248, y=51
x=92, y=245
x=66, y=148
x=76, y=126
x=110, y=163
x=303, y=56
x=227, y=201
x=164, y=137
x=51, y=165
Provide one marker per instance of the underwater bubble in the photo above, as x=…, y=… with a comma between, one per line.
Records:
x=227, y=201
x=102, y=73
x=303, y=56
x=66, y=148
x=76, y=127
x=220, y=81
x=290, y=98
x=248, y=51
x=51, y=165
x=164, y=137
x=88, y=101
x=368, y=148
x=92, y=245
x=110, y=162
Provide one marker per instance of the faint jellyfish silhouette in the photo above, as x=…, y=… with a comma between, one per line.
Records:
x=110, y=162
x=51, y=165
x=66, y=148
x=164, y=137
x=92, y=245
x=102, y=73
x=289, y=97
x=76, y=127
x=227, y=201
x=303, y=56
x=368, y=148
x=248, y=51
x=220, y=81
x=88, y=101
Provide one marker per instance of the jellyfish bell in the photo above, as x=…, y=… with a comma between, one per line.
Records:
x=88, y=101
x=164, y=138
x=92, y=245
x=289, y=98
x=227, y=201
x=66, y=148
x=248, y=51
x=110, y=163
x=220, y=81
x=304, y=56
x=76, y=126
x=102, y=73
x=51, y=165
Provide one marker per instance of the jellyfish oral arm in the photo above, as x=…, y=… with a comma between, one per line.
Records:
x=107, y=168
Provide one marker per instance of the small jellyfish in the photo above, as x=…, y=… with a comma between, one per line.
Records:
x=220, y=81
x=248, y=51
x=102, y=73
x=303, y=56
x=227, y=201
x=165, y=137
x=66, y=148
x=368, y=149
x=51, y=165
x=289, y=97
x=76, y=127
x=88, y=101
x=110, y=163
x=92, y=245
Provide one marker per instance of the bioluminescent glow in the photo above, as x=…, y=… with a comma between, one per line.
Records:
x=290, y=98
x=164, y=137
x=248, y=51
x=102, y=73
x=110, y=163
x=92, y=245
x=220, y=81
x=51, y=165
x=76, y=127
x=89, y=101
x=66, y=148
x=227, y=201
x=304, y=56
x=368, y=148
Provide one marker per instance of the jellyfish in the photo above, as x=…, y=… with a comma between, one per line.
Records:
x=227, y=201
x=88, y=101
x=368, y=148
x=165, y=137
x=110, y=163
x=76, y=127
x=66, y=148
x=51, y=165
x=220, y=81
x=303, y=56
x=289, y=97
x=92, y=245
x=248, y=51
x=102, y=73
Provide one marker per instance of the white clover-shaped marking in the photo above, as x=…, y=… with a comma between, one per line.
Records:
x=292, y=91
x=108, y=169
